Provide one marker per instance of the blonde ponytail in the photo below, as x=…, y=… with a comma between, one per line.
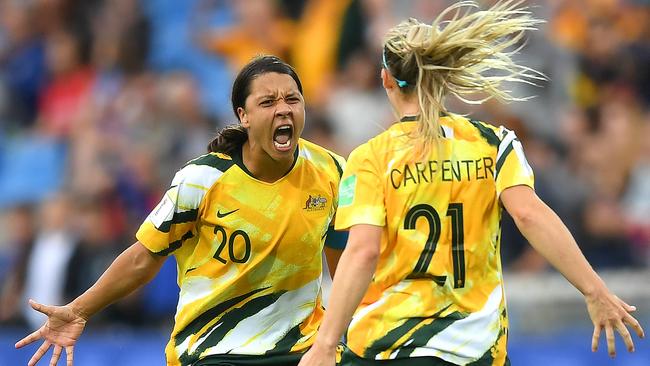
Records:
x=464, y=56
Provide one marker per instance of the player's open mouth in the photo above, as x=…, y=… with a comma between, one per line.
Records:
x=282, y=137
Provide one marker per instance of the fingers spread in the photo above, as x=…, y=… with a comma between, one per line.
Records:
x=55, y=355
x=626, y=306
x=632, y=322
x=595, y=338
x=611, y=345
x=69, y=352
x=625, y=334
x=36, y=335
x=45, y=309
x=39, y=353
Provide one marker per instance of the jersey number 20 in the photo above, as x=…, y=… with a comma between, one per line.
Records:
x=455, y=210
x=231, y=245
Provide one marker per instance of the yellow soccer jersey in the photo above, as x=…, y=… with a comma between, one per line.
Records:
x=248, y=253
x=437, y=290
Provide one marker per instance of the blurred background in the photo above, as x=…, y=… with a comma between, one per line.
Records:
x=101, y=101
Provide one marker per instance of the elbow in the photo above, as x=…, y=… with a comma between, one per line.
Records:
x=523, y=216
x=532, y=215
x=145, y=266
x=524, y=206
x=364, y=255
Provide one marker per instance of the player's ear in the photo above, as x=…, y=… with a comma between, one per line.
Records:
x=243, y=117
x=386, y=80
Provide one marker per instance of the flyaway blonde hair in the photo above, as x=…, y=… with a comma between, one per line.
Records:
x=466, y=56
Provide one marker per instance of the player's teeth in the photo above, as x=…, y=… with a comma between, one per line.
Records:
x=279, y=145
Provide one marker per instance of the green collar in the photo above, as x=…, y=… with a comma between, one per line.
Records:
x=409, y=118
x=237, y=158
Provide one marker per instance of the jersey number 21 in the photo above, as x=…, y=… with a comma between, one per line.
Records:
x=455, y=210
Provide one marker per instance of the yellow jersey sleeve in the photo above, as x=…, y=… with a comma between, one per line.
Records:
x=173, y=220
x=512, y=168
x=360, y=200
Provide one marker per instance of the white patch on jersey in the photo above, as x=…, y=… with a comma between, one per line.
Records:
x=200, y=175
x=505, y=142
x=326, y=280
x=193, y=289
x=259, y=333
x=200, y=340
x=180, y=348
x=516, y=145
x=188, y=188
x=164, y=211
x=467, y=339
x=394, y=354
x=193, y=182
x=449, y=132
x=305, y=153
x=197, y=287
x=363, y=312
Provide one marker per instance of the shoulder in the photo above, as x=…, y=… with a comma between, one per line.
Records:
x=367, y=156
x=321, y=157
x=204, y=170
x=219, y=161
x=470, y=129
x=364, y=149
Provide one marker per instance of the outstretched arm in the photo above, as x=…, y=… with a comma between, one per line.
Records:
x=132, y=269
x=551, y=238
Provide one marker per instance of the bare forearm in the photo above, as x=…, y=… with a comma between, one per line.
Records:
x=551, y=238
x=130, y=270
x=351, y=281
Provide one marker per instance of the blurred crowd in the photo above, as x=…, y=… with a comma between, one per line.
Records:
x=101, y=101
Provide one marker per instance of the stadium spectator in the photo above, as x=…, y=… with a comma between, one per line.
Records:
x=71, y=81
x=14, y=263
x=260, y=29
x=49, y=257
x=357, y=109
x=22, y=65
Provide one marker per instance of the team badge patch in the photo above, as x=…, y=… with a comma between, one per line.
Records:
x=346, y=190
x=315, y=203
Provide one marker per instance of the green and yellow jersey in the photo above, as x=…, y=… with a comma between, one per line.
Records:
x=437, y=290
x=248, y=253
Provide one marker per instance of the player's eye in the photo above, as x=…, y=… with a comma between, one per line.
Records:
x=267, y=102
x=293, y=100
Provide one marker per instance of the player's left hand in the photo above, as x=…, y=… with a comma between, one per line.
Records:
x=319, y=356
x=610, y=313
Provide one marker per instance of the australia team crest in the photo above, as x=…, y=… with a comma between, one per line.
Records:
x=315, y=203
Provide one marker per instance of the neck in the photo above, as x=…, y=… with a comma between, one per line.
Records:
x=406, y=105
x=262, y=166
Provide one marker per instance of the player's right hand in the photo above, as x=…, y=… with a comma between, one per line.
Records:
x=61, y=330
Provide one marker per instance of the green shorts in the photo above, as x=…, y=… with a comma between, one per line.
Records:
x=243, y=360
x=349, y=358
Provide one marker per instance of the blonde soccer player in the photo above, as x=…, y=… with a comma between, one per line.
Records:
x=420, y=281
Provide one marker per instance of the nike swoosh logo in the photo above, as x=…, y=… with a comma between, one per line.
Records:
x=220, y=215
